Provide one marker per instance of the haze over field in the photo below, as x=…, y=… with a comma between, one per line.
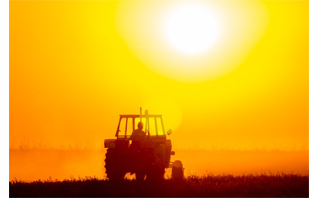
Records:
x=35, y=164
x=76, y=65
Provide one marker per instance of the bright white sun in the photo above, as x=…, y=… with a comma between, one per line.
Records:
x=192, y=28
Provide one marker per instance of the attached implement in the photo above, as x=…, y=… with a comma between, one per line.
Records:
x=147, y=156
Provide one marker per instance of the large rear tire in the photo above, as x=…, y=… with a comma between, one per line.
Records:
x=156, y=174
x=113, y=168
x=140, y=176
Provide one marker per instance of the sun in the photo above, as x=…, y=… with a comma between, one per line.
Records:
x=191, y=41
x=192, y=28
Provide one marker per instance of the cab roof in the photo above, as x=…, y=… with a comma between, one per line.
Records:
x=137, y=115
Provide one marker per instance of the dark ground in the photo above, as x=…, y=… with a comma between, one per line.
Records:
x=280, y=185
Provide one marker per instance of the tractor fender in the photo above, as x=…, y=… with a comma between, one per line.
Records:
x=109, y=143
x=168, y=146
x=168, y=152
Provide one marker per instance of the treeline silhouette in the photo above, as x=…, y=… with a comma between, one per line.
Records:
x=278, y=185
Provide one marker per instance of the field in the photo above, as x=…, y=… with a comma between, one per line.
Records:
x=279, y=185
x=214, y=173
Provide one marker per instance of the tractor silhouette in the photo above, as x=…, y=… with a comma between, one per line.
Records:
x=147, y=157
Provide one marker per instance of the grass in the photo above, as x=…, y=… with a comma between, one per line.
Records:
x=279, y=185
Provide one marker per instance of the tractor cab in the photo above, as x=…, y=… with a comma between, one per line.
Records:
x=153, y=126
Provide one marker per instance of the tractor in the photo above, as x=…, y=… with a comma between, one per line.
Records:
x=147, y=157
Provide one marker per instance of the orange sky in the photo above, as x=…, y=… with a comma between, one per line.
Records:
x=73, y=70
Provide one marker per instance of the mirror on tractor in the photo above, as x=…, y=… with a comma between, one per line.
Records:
x=169, y=132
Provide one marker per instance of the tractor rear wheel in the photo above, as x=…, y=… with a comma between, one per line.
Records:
x=156, y=174
x=140, y=176
x=113, y=168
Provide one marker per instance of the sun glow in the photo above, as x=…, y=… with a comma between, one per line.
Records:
x=192, y=28
x=191, y=41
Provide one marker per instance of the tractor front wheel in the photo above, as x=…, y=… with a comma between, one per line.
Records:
x=177, y=170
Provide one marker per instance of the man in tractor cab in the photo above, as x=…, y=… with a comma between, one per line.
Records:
x=138, y=134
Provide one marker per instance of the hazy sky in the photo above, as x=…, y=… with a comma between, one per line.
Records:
x=75, y=66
